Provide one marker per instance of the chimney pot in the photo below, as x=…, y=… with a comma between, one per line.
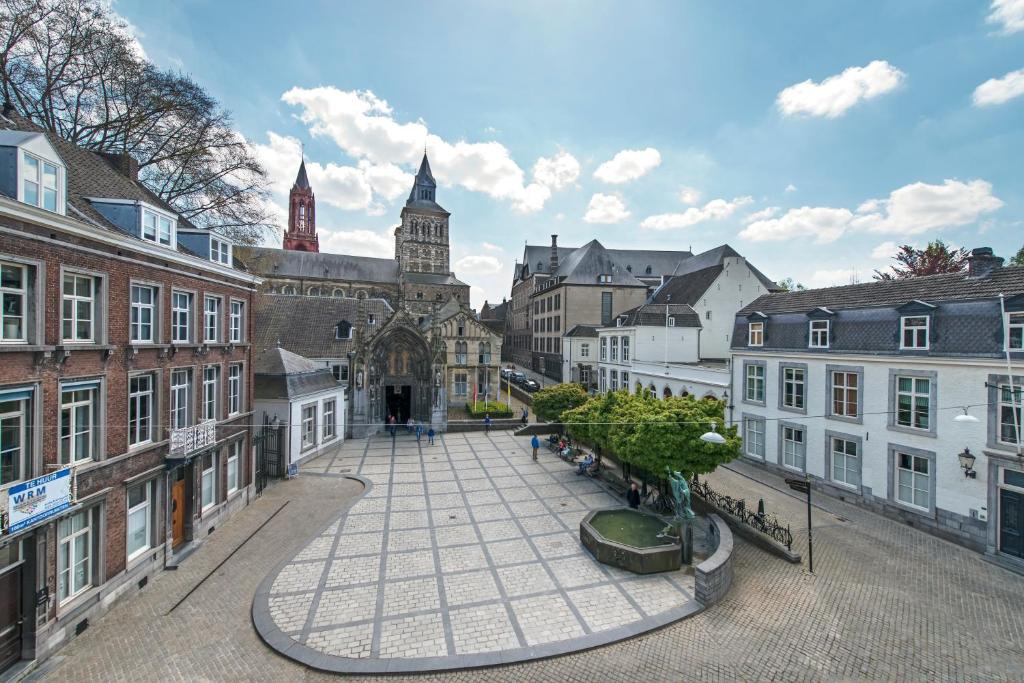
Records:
x=553, y=262
x=982, y=262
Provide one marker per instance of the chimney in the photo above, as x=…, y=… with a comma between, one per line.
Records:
x=553, y=262
x=124, y=163
x=982, y=262
x=8, y=108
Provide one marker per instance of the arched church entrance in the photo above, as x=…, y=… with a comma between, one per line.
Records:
x=400, y=377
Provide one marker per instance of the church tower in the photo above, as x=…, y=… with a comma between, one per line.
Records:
x=421, y=241
x=301, y=235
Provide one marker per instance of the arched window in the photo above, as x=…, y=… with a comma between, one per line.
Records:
x=419, y=296
x=654, y=390
x=287, y=289
x=338, y=291
x=667, y=393
x=302, y=215
x=485, y=353
x=461, y=351
x=314, y=291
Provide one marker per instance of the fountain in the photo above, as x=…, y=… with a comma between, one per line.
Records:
x=631, y=540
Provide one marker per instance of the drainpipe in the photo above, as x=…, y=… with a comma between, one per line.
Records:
x=1009, y=374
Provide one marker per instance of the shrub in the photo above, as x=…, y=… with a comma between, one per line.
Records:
x=496, y=410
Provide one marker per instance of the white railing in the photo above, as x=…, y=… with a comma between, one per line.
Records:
x=188, y=440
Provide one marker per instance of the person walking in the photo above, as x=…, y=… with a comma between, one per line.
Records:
x=633, y=496
x=392, y=425
x=419, y=432
x=487, y=423
x=408, y=425
x=526, y=416
x=430, y=436
x=535, y=442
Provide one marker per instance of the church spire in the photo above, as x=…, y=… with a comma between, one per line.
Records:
x=301, y=235
x=301, y=181
x=424, y=186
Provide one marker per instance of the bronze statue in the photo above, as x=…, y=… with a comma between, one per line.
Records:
x=681, y=494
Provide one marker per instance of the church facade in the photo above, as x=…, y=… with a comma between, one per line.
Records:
x=399, y=332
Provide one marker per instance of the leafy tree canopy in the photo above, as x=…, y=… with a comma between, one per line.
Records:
x=549, y=403
x=934, y=259
x=1018, y=258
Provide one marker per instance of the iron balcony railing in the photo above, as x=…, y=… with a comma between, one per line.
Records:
x=188, y=440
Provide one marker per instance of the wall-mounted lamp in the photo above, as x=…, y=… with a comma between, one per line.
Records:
x=967, y=463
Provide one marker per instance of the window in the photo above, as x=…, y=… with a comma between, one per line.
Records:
x=755, y=334
x=707, y=315
x=78, y=421
x=558, y=301
x=914, y=333
x=211, y=390
x=613, y=377
x=604, y=279
x=180, y=393
x=79, y=308
x=671, y=321
x=211, y=318
x=1010, y=413
x=1015, y=331
x=461, y=352
x=140, y=519
x=157, y=228
x=234, y=388
x=912, y=480
x=604, y=348
x=606, y=308
x=603, y=379
x=343, y=330
x=74, y=555
x=39, y=183
x=845, y=462
x=845, y=389
x=234, y=453
x=614, y=349
x=913, y=398
x=584, y=350
x=753, y=437
x=236, y=322
x=140, y=409
x=625, y=349
x=181, y=317
x=143, y=307
x=625, y=380
x=460, y=331
x=329, y=426
x=755, y=383
x=794, y=449
x=15, y=443
x=308, y=426
x=208, y=482
x=461, y=384
x=13, y=303
x=793, y=388
x=220, y=251
x=340, y=371
x=819, y=334
x=484, y=353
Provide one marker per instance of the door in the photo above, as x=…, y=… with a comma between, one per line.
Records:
x=1011, y=523
x=177, y=513
x=10, y=618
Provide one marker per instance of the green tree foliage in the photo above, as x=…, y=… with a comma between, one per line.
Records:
x=790, y=285
x=591, y=422
x=549, y=403
x=1018, y=258
x=936, y=258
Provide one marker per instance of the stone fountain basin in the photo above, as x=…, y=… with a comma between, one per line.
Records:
x=627, y=538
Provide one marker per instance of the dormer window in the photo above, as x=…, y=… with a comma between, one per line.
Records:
x=819, y=334
x=671, y=321
x=40, y=182
x=914, y=332
x=604, y=279
x=343, y=330
x=755, y=334
x=158, y=227
x=220, y=251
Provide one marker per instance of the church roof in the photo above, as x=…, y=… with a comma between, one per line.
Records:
x=424, y=181
x=636, y=261
x=301, y=181
x=306, y=324
x=584, y=265
x=271, y=262
x=433, y=279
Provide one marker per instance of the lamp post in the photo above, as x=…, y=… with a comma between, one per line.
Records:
x=967, y=459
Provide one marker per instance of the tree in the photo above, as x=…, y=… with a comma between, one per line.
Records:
x=934, y=259
x=1018, y=258
x=549, y=403
x=591, y=422
x=72, y=67
x=790, y=285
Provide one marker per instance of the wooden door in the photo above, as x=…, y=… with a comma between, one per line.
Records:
x=10, y=618
x=1011, y=523
x=177, y=513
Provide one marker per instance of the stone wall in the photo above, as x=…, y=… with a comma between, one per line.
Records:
x=713, y=576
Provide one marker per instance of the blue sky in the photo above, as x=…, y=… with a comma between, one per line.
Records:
x=811, y=136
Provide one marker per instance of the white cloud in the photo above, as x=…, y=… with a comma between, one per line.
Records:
x=605, y=208
x=356, y=242
x=1008, y=13
x=824, y=224
x=885, y=250
x=478, y=264
x=999, y=90
x=627, y=165
x=834, y=277
x=387, y=180
x=919, y=207
x=558, y=172
x=689, y=195
x=834, y=95
x=790, y=188
x=487, y=246
x=763, y=214
x=716, y=209
x=364, y=127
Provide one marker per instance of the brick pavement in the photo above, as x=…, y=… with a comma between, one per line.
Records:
x=887, y=603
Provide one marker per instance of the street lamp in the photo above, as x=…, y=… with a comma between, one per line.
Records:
x=966, y=418
x=967, y=463
x=713, y=436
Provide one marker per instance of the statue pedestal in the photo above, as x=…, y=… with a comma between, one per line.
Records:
x=684, y=531
x=439, y=413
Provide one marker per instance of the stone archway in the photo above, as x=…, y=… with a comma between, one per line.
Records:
x=400, y=381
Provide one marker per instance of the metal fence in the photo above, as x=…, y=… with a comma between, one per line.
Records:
x=767, y=524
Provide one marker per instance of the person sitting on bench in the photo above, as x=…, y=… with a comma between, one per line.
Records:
x=582, y=465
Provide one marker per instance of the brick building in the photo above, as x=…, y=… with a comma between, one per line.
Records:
x=125, y=380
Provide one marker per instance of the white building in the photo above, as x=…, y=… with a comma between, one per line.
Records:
x=303, y=396
x=860, y=386
x=579, y=356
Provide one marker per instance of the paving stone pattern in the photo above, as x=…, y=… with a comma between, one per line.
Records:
x=887, y=603
x=467, y=550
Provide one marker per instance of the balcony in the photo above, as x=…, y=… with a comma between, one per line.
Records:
x=189, y=440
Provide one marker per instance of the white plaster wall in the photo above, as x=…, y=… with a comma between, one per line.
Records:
x=572, y=355
x=734, y=288
x=291, y=415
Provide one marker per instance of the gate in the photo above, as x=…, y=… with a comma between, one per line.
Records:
x=269, y=454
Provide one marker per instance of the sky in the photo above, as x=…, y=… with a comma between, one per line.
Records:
x=813, y=137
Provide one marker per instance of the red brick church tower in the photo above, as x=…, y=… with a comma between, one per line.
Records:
x=301, y=235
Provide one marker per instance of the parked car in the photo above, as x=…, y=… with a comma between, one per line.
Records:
x=506, y=373
x=518, y=377
x=531, y=386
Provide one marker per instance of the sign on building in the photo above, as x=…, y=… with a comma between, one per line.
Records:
x=33, y=501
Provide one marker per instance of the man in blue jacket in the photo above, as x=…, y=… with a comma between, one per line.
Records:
x=535, y=442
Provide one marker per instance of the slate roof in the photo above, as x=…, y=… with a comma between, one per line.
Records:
x=662, y=262
x=433, y=279
x=301, y=180
x=1007, y=280
x=654, y=314
x=279, y=373
x=689, y=288
x=716, y=257
x=424, y=178
x=306, y=324
x=272, y=262
x=584, y=265
x=582, y=331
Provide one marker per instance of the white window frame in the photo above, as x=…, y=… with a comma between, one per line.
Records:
x=142, y=509
x=211, y=392
x=208, y=483
x=908, y=480
x=755, y=334
x=21, y=293
x=234, y=453
x=818, y=331
x=17, y=420
x=213, y=319
x=68, y=557
x=307, y=420
x=39, y=181
x=1015, y=331
x=604, y=348
x=140, y=432
x=220, y=251
x=613, y=380
x=753, y=380
x=754, y=437
x=75, y=299
x=164, y=228
x=789, y=378
x=625, y=349
x=914, y=394
x=1007, y=406
x=181, y=316
x=234, y=388
x=613, y=350
x=461, y=384
x=794, y=448
x=834, y=468
x=69, y=455
x=181, y=397
x=916, y=332
x=139, y=309
x=603, y=380
x=584, y=350
x=329, y=426
x=847, y=390
x=236, y=321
